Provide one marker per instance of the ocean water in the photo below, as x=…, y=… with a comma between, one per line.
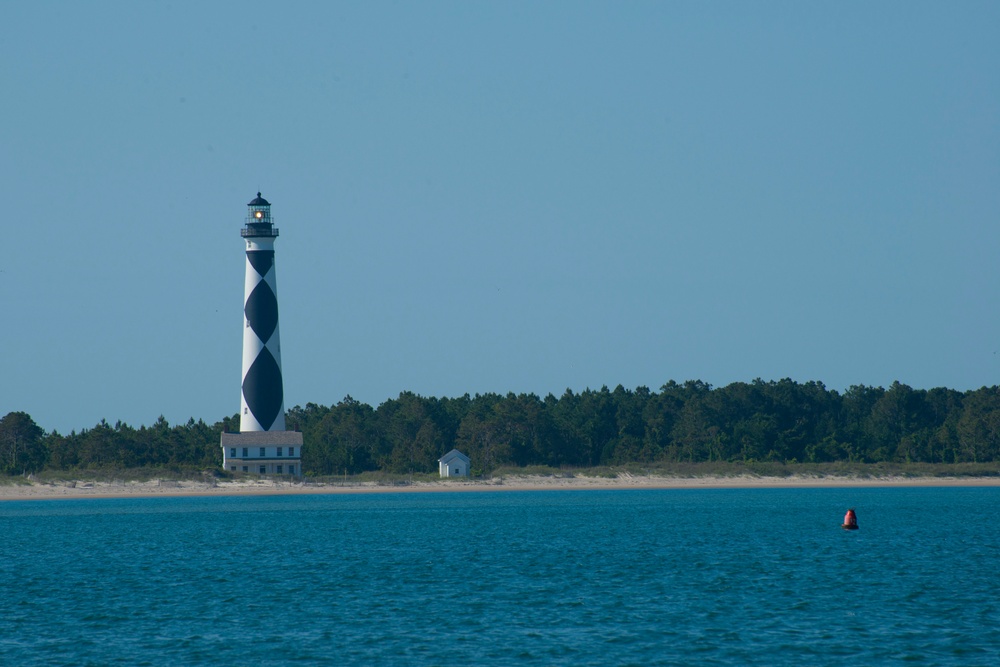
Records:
x=624, y=577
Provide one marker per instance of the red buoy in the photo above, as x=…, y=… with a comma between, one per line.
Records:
x=850, y=520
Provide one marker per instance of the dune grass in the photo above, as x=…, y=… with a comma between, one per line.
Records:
x=721, y=469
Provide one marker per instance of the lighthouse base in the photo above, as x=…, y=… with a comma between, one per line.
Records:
x=263, y=452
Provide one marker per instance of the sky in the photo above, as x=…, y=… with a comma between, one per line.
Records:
x=481, y=197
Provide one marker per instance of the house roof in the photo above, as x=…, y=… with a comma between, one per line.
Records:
x=261, y=438
x=452, y=455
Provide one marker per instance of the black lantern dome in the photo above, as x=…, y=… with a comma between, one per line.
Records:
x=259, y=201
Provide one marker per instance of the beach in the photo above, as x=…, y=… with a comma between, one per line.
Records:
x=34, y=490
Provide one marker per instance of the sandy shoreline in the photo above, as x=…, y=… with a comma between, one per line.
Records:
x=266, y=487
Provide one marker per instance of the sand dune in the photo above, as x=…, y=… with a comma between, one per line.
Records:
x=165, y=488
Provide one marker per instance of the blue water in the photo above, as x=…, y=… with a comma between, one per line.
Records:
x=667, y=577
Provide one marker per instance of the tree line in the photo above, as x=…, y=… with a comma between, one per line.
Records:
x=782, y=421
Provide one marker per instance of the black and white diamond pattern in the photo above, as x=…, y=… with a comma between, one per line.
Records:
x=263, y=395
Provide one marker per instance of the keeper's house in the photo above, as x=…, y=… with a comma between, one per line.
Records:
x=454, y=464
x=263, y=452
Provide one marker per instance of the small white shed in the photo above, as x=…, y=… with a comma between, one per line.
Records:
x=454, y=464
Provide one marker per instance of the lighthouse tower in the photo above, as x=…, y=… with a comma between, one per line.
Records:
x=263, y=401
x=262, y=446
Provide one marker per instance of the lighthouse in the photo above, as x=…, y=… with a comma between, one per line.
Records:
x=262, y=446
x=263, y=400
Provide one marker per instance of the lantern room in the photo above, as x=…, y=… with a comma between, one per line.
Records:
x=259, y=219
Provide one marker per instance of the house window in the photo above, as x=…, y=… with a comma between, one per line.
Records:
x=263, y=469
x=291, y=451
x=245, y=452
x=232, y=452
x=245, y=469
x=233, y=468
x=279, y=452
x=262, y=451
x=291, y=470
x=458, y=471
x=279, y=470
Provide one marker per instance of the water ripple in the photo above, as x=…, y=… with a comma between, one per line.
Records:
x=534, y=578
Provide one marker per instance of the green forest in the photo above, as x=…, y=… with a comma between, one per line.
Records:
x=773, y=421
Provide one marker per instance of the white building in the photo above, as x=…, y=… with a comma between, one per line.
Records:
x=263, y=452
x=454, y=464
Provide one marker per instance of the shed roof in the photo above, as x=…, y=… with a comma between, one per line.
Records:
x=452, y=455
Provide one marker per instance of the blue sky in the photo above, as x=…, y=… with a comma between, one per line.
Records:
x=495, y=196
